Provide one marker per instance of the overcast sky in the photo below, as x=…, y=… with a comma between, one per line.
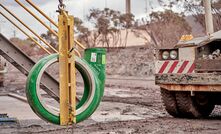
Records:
x=78, y=8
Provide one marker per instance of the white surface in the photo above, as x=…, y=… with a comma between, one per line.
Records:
x=112, y=111
x=187, y=53
x=16, y=108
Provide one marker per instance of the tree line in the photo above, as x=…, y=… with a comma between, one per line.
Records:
x=158, y=29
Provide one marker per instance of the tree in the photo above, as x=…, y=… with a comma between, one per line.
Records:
x=195, y=8
x=163, y=28
x=127, y=22
x=83, y=33
x=51, y=39
x=80, y=30
x=108, y=24
x=105, y=23
x=198, y=12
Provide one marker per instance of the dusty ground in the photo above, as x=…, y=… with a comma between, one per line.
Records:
x=132, y=104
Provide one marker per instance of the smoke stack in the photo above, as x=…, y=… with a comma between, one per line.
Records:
x=128, y=6
x=208, y=17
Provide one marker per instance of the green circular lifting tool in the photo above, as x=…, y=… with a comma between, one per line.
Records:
x=93, y=74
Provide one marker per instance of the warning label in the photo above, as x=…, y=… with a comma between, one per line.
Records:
x=93, y=57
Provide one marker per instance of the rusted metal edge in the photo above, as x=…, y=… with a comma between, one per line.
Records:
x=208, y=65
x=195, y=88
x=188, y=79
x=18, y=97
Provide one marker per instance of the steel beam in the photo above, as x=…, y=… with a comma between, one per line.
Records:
x=24, y=63
x=204, y=79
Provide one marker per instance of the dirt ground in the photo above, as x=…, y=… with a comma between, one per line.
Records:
x=131, y=104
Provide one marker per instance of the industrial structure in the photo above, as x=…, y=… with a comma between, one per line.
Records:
x=71, y=108
x=189, y=73
x=128, y=6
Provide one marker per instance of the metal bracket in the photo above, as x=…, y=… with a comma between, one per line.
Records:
x=5, y=119
x=67, y=69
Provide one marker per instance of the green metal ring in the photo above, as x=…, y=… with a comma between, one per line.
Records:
x=42, y=112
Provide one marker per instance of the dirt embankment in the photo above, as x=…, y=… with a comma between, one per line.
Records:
x=133, y=61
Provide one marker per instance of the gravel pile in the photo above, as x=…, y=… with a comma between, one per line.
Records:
x=215, y=55
x=136, y=61
x=133, y=61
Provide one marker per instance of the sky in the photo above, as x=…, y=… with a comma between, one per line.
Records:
x=78, y=8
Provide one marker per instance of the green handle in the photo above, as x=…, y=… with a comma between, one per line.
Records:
x=96, y=57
